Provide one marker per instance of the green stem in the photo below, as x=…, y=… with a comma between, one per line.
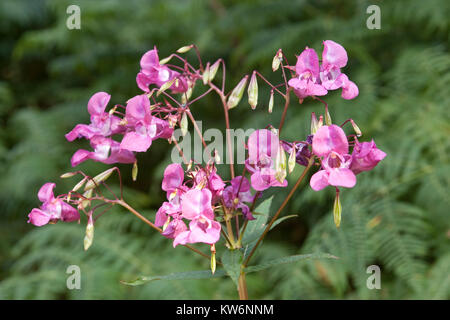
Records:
x=242, y=286
x=140, y=216
x=283, y=205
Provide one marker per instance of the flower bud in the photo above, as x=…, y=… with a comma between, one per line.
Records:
x=337, y=210
x=134, y=171
x=237, y=93
x=274, y=130
x=206, y=73
x=314, y=123
x=277, y=60
x=172, y=120
x=189, y=165
x=166, y=86
x=213, y=259
x=328, y=121
x=292, y=158
x=184, y=124
x=92, y=183
x=280, y=165
x=253, y=91
x=111, y=112
x=79, y=184
x=213, y=70
x=216, y=156
x=166, y=224
x=185, y=49
x=89, y=237
x=68, y=175
x=271, y=102
x=85, y=202
x=356, y=128
x=320, y=122
x=165, y=60
x=185, y=96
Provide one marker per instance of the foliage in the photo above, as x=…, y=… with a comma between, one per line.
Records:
x=397, y=218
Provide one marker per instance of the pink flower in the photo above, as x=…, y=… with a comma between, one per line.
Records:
x=144, y=127
x=307, y=82
x=336, y=173
x=106, y=150
x=208, y=178
x=196, y=206
x=365, y=156
x=173, y=178
x=167, y=209
x=334, y=57
x=331, y=144
x=328, y=139
x=263, y=146
x=102, y=123
x=313, y=79
x=174, y=228
x=237, y=194
x=52, y=209
x=154, y=73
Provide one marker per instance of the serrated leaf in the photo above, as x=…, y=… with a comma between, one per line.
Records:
x=232, y=260
x=290, y=259
x=189, y=275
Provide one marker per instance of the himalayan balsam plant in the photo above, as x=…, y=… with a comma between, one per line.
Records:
x=228, y=213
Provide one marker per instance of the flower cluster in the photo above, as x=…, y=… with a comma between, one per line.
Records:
x=338, y=167
x=199, y=202
x=191, y=200
x=263, y=150
x=52, y=209
x=141, y=123
x=314, y=80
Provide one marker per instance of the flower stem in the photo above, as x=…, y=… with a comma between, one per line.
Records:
x=283, y=116
x=242, y=286
x=283, y=205
x=140, y=216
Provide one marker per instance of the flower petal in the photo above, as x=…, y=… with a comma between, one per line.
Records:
x=173, y=177
x=342, y=177
x=150, y=59
x=308, y=61
x=319, y=180
x=133, y=141
x=195, y=203
x=68, y=213
x=80, y=131
x=328, y=139
x=45, y=193
x=349, y=90
x=333, y=55
x=98, y=102
x=38, y=217
x=138, y=108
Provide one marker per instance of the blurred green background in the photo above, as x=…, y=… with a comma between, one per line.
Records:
x=396, y=217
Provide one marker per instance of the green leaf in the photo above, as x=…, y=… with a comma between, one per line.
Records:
x=256, y=227
x=278, y=221
x=290, y=259
x=232, y=260
x=204, y=274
